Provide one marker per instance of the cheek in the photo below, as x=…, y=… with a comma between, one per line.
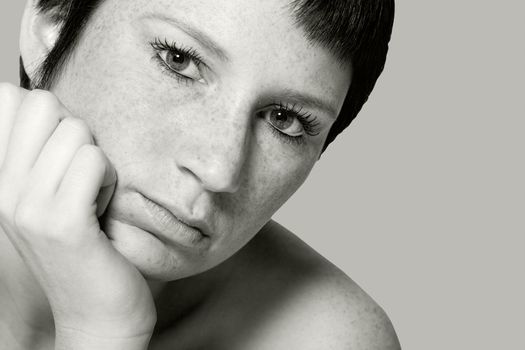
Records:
x=272, y=177
x=268, y=182
x=115, y=92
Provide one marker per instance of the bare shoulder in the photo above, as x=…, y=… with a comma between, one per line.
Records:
x=311, y=304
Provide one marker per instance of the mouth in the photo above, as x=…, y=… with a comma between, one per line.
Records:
x=172, y=228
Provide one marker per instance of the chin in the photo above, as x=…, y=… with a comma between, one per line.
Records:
x=154, y=259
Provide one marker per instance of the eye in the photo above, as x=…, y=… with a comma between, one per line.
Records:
x=285, y=122
x=290, y=122
x=183, y=62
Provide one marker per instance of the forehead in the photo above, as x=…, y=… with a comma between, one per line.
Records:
x=235, y=24
x=261, y=34
x=226, y=17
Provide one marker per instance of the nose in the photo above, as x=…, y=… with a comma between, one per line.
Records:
x=216, y=150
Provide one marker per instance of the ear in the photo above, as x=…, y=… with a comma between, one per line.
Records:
x=38, y=34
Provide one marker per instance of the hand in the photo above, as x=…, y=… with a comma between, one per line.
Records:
x=54, y=184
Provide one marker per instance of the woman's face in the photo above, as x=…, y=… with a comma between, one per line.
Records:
x=216, y=110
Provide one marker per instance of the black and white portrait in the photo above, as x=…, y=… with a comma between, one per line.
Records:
x=281, y=174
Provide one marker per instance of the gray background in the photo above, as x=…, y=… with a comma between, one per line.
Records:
x=421, y=200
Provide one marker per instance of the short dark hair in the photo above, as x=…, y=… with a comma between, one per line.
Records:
x=355, y=31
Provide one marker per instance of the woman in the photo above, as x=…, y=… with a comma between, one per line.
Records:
x=137, y=192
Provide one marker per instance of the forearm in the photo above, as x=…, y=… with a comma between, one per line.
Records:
x=71, y=339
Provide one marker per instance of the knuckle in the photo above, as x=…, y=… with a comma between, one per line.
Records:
x=43, y=99
x=91, y=153
x=34, y=221
x=42, y=95
x=90, y=157
x=79, y=126
x=98, y=161
x=27, y=218
x=9, y=91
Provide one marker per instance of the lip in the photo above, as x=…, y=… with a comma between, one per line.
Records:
x=172, y=229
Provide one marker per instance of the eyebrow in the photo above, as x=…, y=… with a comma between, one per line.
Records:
x=195, y=33
x=290, y=95
x=308, y=100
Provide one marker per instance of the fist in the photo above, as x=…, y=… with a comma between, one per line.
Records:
x=54, y=184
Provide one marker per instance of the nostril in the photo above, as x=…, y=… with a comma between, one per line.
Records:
x=222, y=178
x=216, y=177
x=216, y=160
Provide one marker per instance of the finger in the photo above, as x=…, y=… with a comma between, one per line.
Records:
x=104, y=198
x=10, y=99
x=90, y=170
x=57, y=154
x=36, y=120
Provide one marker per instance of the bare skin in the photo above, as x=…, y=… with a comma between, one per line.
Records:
x=252, y=302
x=308, y=304
x=81, y=271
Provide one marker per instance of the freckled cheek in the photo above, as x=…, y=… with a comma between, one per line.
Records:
x=126, y=98
x=128, y=113
x=274, y=183
x=264, y=191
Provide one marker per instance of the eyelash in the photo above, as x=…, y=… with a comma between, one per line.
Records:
x=163, y=45
x=309, y=122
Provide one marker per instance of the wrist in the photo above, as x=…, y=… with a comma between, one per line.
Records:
x=75, y=339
